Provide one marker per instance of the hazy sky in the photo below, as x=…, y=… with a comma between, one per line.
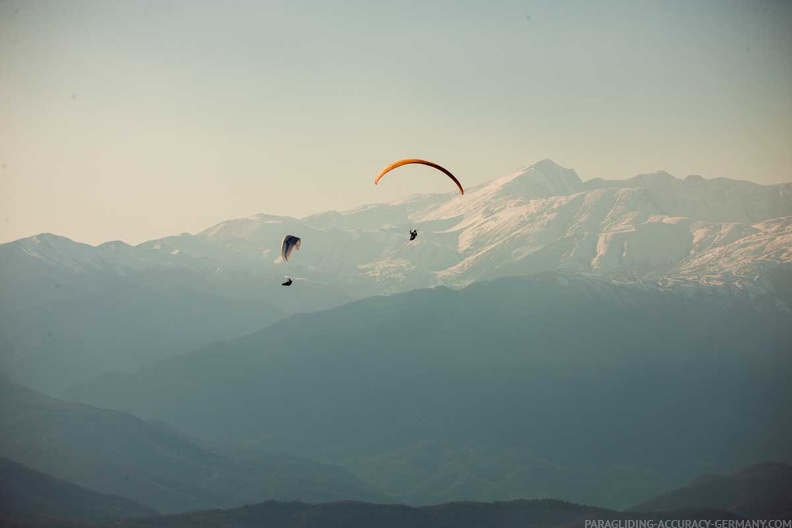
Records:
x=134, y=120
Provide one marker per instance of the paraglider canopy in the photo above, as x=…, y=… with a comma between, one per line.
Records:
x=399, y=163
x=290, y=243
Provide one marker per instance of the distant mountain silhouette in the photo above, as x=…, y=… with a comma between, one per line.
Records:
x=761, y=491
x=568, y=387
x=30, y=495
x=115, y=452
x=516, y=514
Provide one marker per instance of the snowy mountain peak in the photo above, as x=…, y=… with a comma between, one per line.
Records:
x=549, y=166
x=46, y=238
x=539, y=218
x=242, y=227
x=47, y=243
x=540, y=180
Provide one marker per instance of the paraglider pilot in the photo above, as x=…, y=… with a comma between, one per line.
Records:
x=413, y=234
x=288, y=282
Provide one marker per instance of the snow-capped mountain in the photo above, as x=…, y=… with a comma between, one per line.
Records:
x=653, y=227
x=539, y=218
x=542, y=218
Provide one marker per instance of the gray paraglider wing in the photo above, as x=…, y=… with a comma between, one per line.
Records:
x=290, y=243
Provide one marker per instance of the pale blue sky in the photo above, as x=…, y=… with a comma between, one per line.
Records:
x=134, y=120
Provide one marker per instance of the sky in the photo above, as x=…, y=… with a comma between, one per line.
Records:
x=133, y=120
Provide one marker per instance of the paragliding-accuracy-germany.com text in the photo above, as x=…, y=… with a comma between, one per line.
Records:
x=688, y=523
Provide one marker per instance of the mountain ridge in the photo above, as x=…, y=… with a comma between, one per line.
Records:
x=455, y=382
x=224, y=281
x=30, y=495
x=761, y=491
x=541, y=206
x=350, y=514
x=149, y=462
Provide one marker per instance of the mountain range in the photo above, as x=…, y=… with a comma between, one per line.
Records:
x=761, y=491
x=33, y=496
x=31, y=499
x=70, y=311
x=106, y=451
x=512, y=514
x=557, y=385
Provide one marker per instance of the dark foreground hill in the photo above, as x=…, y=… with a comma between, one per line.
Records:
x=762, y=491
x=29, y=495
x=551, y=386
x=115, y=452
x=516, y=514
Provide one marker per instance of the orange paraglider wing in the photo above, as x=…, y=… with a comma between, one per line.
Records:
x=399, y=163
